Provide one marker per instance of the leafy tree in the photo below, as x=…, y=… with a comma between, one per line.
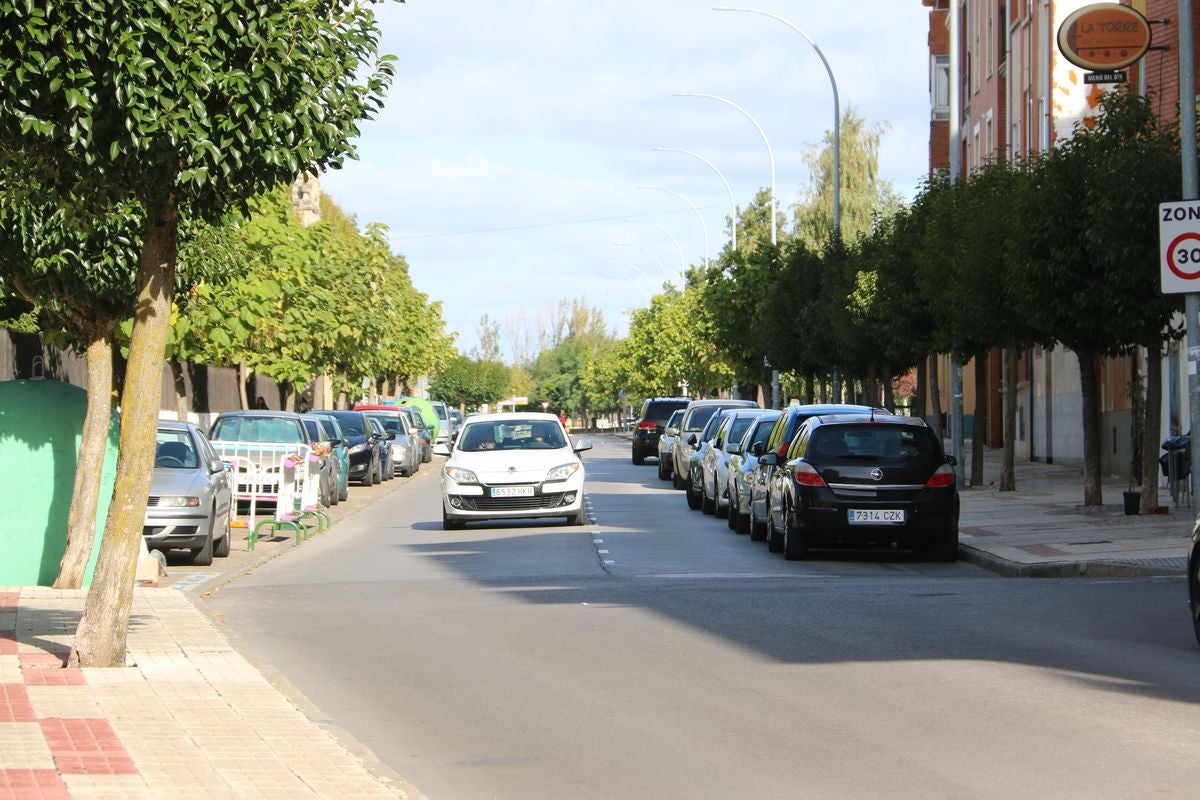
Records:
x=469, y=383
x=172, y=105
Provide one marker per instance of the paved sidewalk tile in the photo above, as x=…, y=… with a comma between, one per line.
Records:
x=32, y=784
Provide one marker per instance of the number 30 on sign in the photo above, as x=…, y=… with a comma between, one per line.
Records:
x=1179, y=246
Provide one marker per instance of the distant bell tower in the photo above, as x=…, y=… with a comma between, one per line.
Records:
x=306, y=199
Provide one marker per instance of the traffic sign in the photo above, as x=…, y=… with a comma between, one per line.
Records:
x=1179, y=246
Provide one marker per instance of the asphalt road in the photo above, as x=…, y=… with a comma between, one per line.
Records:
x=657, y=654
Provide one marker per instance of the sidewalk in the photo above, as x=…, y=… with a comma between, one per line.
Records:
x=1044, y=530
x=191, y=719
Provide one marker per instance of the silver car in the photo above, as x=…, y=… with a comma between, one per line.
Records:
x=714, y=463
x=191, y=495
x=406, y=447
x=666, y=445
x=741, y=470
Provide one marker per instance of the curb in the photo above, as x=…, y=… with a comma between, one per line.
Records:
x=1064, y=569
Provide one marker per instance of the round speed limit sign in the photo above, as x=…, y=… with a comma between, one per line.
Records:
x=1183, y=255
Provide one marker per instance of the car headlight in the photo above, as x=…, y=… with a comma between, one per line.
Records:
x=178, y=502
x=561, y=473
x=460, y=475
x=361, y=447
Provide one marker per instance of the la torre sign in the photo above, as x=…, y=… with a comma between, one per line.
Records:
x=1104, y=37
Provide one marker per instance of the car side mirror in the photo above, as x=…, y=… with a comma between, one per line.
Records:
x=335, y=442
x=391, y=435
x=217, y=465
x=952, y=461
x=734, y=450
x=671, y=431
x=581, y=445
x=692, y=440
x=769, y=459
x=758, y=448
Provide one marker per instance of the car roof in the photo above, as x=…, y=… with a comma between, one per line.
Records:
x=511, y=416
x=717, y=402
x=174, y=425
x=878, y=419
x=814, y=409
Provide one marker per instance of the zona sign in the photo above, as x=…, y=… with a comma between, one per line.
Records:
x=1104, y=36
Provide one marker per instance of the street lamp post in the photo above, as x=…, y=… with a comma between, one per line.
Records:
x=729, y=191
x=696, y=211
x=766, y=141
x=682, y=257
x=648, y=252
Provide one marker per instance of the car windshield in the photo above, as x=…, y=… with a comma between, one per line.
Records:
x=873, y=443
x=175, y=451
x=660, y=412
x=257, y=429
x=515, y=434
x=390, y=422
x=676, y=418
x=700, y=417
x=762, y=432
x=352, y=422
x=330, y=424
x=737, y=429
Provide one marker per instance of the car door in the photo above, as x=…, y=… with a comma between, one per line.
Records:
x=221, y=482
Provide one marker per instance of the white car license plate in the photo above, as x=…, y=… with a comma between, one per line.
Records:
x=512, y=491
x=876, y=516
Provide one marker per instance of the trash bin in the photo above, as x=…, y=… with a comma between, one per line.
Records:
x=1176, y=463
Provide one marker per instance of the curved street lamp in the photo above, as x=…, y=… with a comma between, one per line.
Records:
x=837, y=114
x=649, y=253
x=695, y=211
x=682, y=258
x=766, y=141
x=728, y=190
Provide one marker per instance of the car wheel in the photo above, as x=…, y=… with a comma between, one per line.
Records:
x=344, y=492
x=203, y=556
x=449, y=524
x=731, y=511
x=742, y=523
x=774, y=537
x=722, y=511
x=222, y=546
x=577, y=519
x=795, y=541
x=677, y=480
x=693, y=494
x=945, y=549
x=664, y=472
x=757, y=530
x=639, y=459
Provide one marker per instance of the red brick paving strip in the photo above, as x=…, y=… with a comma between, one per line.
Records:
x=43, y=661
x=14, y=704
x=8, y=643
x=1041, y=550
x=53, y=677
x=86, y=747
x=32, y=784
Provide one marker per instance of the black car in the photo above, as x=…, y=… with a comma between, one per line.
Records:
x=365, y=446
x=855, y=480
x=649, y=426
x=1193, y=580
x=778, y=441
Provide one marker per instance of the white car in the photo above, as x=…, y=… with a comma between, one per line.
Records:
x=507, y=466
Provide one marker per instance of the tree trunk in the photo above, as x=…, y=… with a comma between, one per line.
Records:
x=243, y=378
x=935, y=398
x=1089, y=391
x=181, y=403
x=979, y=424
x=918, y=408
x=1152, y=431
x=101, y=637
x=889, y=391
x=81, y=520
x=1008, y=475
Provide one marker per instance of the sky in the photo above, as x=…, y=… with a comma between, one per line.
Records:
x=514, y=165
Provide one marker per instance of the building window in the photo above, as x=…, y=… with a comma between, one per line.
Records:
x=939, y=87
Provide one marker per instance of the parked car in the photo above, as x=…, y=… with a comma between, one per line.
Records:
x=700, y=445
x=430, y=415
x=387, y=456
x=191, y=495
x=695, y=417
x=275, y=427
x=666, y=443
x=649, y=426
x=714, y=464
x=446, y=431
x=422, y=429
x=859, y=481
x=341, y=452
x=509, y=466
x=1193, y=580
x=365, y=450
x=778, y=442
x=406, y=446
x=742, y=472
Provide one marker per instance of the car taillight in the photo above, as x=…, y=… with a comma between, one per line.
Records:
x=647, y=425
x=783, y=451
x=941, y=478
x=807, y=475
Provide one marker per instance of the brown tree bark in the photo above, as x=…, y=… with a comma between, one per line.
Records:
x=1008, y=476
x=1090, y=394
x=243, y=373
x=935, y=398
x=100, y=640
x=889, y=391
x=81, y=520
x=1153, y=430
x=979, y=423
